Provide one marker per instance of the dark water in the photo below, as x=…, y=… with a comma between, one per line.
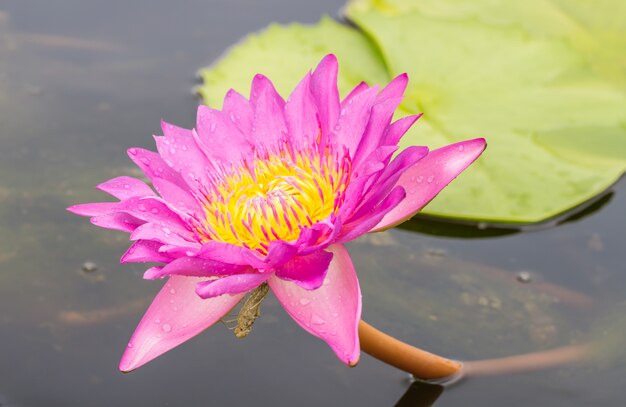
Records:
x=82, y=81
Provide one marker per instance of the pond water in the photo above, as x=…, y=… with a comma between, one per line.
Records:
x=80, y=82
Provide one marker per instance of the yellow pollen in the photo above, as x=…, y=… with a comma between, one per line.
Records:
x=273, y=197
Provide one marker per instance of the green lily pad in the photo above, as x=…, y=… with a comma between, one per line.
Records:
x=471, y=79
x=597, y=29
x=285, y=53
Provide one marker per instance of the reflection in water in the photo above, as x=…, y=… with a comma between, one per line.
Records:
x=420, y=394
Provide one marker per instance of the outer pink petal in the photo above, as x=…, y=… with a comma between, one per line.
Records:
x=176, y=315
x=429, y=176
x=326, y=95
x=165, y=235
x=240, y=283
x=397, y=129
x=301, y=114
x=117, y=221
x=144, y=251
x=195, y=267
x=306, y=271
x=219, y=138
x=268, y=127
x=93, y=209
x=125, y=187
x=180, y=151
x=367, y=221
x=353, y=119
x=239, y=110
x=155, y=168
x=332, y=312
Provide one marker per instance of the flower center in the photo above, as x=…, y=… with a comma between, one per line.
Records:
x=273, y=196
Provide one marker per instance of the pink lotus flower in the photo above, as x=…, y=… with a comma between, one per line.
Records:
x=269, y=191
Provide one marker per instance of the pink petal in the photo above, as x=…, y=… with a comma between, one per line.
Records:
x=195, y=267
x=117, y=221
x=353, y=119
x=268, y=127
x=394, y=89
x=306, y=271
x=240, y=283
x=180, y=198
x=219, y=138
x=239, y=110
x=143, y=251
x=180, y=151
x=176, y=315
x=379, y=120
x=368, y=220
x=125, y=187
x=332, y=312
x=381, y=184
x=397, y=129
x=93, y=209
x=429, y=176
x=361, y=87
x=155, y=168
x=165, y=235
x=326, y=95
x=301, y=114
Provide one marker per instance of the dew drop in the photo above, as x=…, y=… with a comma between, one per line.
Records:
x=154, y=210
x=172, y=291
x=212, y=127
x=305, y=301
x=157, y=321
x=130, y=345
x=430, y=179
x=317, y=320
x=172, y=150
x=141, y=207
x=166, y=328
x=461, y=147
x=420, y=178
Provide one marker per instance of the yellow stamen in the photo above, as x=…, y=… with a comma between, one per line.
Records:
x=274, y=196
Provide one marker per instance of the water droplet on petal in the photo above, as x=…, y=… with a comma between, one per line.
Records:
x=154, y=210
x=166, y=328
x=157, y=321
x=430, y=179
x=213, y=127
x=461, y=147
x=172, y=291
x=317, y=320
x=305, y=301
x=420, y=178
x=130, y=345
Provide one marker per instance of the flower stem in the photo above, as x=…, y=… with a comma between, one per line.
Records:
x=428, y=366
x=421, y=364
